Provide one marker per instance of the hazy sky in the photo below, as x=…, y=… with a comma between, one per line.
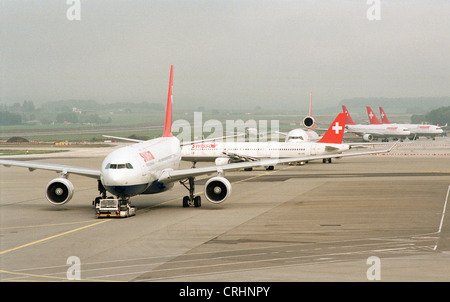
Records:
x=225, y=53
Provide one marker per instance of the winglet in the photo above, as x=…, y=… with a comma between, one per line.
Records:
x=335, y=132
x=168, y=123
x=373, y=120
x=349, y=120
x=384, y=118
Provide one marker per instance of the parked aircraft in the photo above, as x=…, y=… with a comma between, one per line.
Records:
x=417, y=130
x=370, y=132
x=229, y=152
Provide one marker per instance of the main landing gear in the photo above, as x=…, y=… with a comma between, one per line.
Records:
x=190, y=200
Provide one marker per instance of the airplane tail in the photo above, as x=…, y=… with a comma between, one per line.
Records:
x=309, y=122
x=373, y=120
x=349, y=120
x=310, y=103
x=384, y=118
x=335, y=132
x=168, y=123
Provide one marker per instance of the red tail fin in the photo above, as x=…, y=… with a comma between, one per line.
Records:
x=373, y=120
x=168, y=123
x=384, y=118
x=335, y=133
x=349, y=120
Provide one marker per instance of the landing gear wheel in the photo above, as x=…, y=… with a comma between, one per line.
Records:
x=190, y=199
x=185, y=201
x=197, y=201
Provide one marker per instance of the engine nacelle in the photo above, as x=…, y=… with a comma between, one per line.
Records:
x=59, y=191
x=217, y=189
x=367, y=137
x=220, y=161
x=309, y=122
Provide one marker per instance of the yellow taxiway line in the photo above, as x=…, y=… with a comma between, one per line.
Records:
x=54, y=236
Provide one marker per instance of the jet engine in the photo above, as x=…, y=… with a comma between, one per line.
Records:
x=59, y=191
x=217, y=189
x=309, y=122
x=220, y=161
x=367, y=137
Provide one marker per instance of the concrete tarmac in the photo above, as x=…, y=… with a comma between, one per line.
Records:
x=317, y=222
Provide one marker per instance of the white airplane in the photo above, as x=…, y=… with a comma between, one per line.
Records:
x=229, y=152
x=369, y=132
x=416, y=130
x=149, y=167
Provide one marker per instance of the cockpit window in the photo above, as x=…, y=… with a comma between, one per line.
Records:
x=119, y=166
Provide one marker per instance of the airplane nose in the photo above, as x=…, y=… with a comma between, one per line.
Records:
x=109, y=178
x=120, y=184
x=112, y=178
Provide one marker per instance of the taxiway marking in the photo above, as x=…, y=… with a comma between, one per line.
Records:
x=54, y=236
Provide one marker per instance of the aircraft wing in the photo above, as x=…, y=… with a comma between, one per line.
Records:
x=363, y=145
x=282, y=133
x=52, y=167
x=175, y=175
x=124, y=139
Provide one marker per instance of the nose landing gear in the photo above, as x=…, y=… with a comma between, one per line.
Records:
x=111, y=206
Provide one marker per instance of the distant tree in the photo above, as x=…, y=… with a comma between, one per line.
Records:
x=439, y=116
x=16, y=107
x=28, y=106
x=70, y=117
x=8, y=118
x=93, y=119
x=417, y=118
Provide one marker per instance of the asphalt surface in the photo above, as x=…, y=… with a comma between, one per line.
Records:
x=317, y=222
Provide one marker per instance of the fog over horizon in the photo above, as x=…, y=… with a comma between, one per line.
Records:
x=226, y=54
